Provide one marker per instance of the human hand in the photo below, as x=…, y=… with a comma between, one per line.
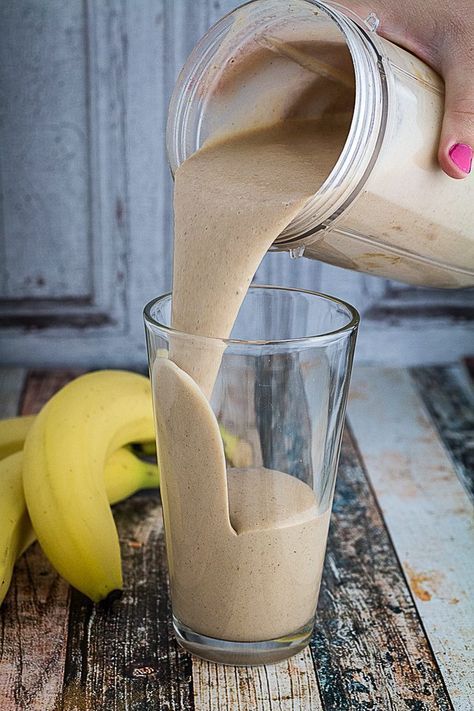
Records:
x=441, y=33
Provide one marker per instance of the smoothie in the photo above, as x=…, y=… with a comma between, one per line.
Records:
x=245, y=547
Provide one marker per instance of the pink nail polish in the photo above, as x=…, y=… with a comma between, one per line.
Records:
x=461, y=155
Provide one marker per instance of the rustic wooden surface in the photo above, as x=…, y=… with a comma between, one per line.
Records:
x=369, y=645
x=34, y=615
x=426, y=510
x=393, y=619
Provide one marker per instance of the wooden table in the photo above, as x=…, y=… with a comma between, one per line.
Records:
x=394, y=626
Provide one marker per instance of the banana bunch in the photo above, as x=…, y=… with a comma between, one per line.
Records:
x=61, y=470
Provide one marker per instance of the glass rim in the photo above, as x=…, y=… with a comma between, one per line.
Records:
x=353, y=323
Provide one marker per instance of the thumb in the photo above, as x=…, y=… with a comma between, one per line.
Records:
x=457, y=134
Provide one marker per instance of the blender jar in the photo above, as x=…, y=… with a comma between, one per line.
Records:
x=386, y=207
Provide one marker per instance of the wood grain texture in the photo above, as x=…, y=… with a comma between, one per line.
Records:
x=286, y=686
x=449, y=400
x=33, y=624
x=427, y=512
x=64, y=166
x=45, y=150
x=369, y=647
x=126, y=657
x=34, y=615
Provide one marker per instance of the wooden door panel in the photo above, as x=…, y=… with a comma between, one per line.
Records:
x=86, y=197
x=63, y=187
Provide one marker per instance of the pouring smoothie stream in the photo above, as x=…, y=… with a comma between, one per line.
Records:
x=232, y=198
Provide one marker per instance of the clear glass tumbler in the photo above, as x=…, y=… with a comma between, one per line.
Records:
x=247, y=476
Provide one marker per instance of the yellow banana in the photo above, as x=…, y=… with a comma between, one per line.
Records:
x=64, y=456
x=13, y=433
x=124, y=475
x=15, y=527
x=238, y=452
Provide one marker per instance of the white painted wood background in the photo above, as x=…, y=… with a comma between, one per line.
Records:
x=85, y=204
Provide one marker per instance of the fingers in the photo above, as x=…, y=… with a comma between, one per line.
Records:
x=443, y=39
x=457, y=135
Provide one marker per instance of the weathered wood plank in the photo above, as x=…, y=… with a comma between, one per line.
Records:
x=63, y=69
x=33, y=622
x=126, y=657
x=287, y=686
x=369, y=646
x=428, y=514
x=12, y=381
x=33, y=618
x=451, y=407
x=45, y=221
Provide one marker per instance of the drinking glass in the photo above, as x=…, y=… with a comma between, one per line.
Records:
x=248, y=464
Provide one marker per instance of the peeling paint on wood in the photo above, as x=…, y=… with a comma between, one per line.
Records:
x=427, y=512
x=369, y=647
x=450, y=401
x=86, y=186
x=33, y=622
x=63, y=74
x=287, y=686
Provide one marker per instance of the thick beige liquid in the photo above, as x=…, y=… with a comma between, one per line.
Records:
x=245, y=547
x=232, y=198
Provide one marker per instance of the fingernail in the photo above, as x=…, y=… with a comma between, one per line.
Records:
x=461, y=155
